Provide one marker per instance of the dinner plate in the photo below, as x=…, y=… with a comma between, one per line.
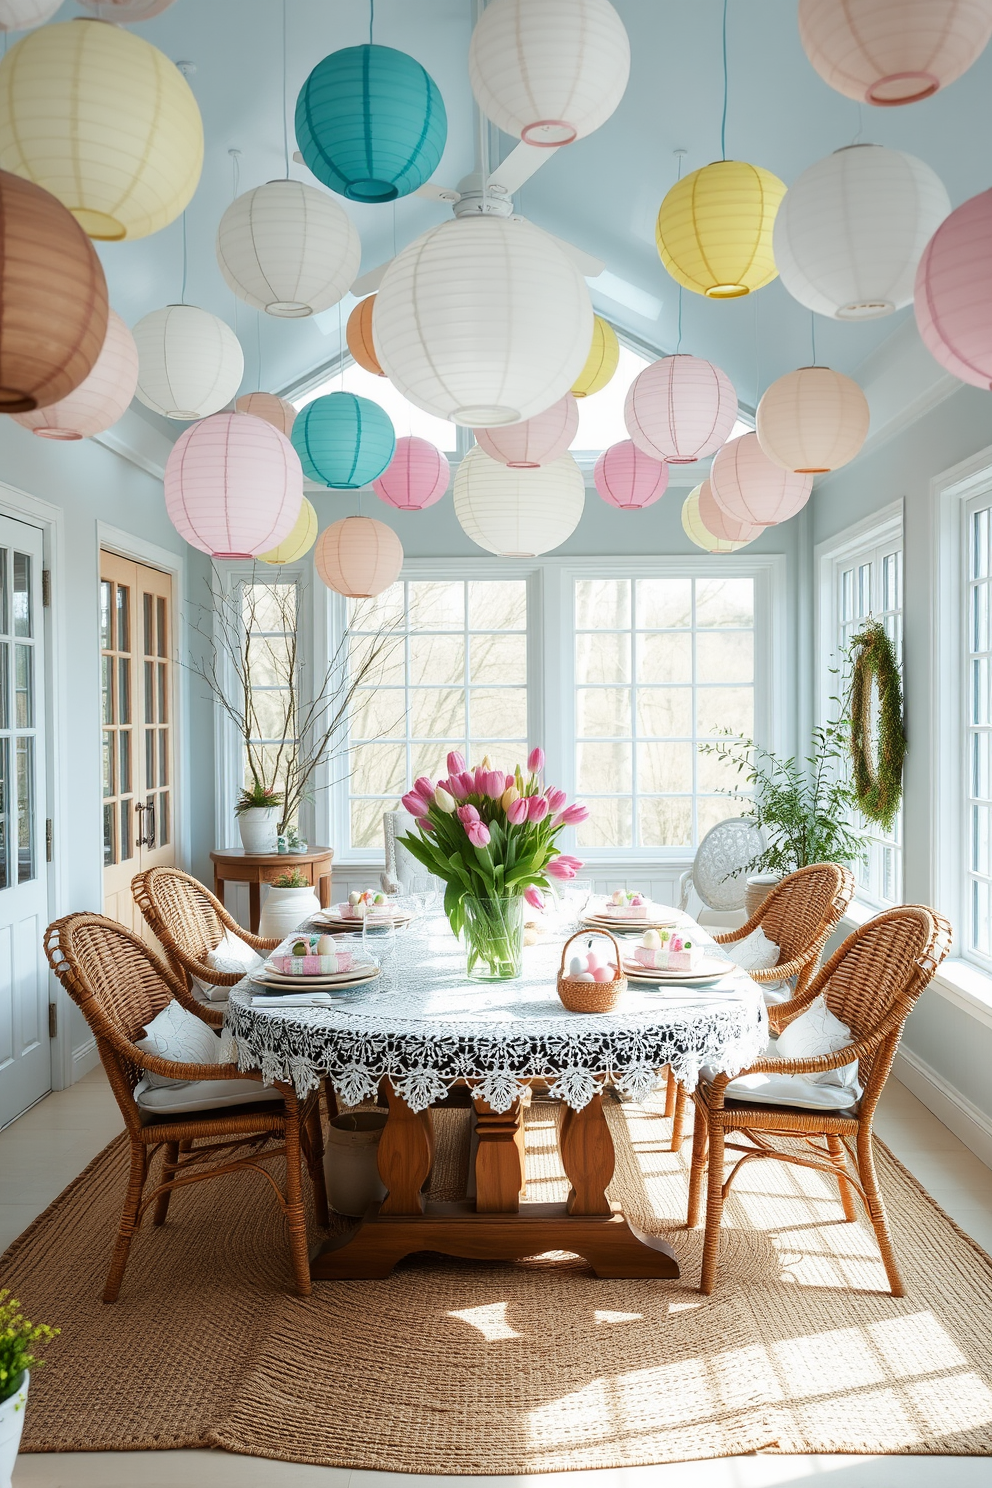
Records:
x=296, y=984
x=355, y=925
x=635, y=972
x=629, y=927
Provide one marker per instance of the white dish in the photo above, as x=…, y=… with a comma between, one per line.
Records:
x=675, y=979
x=296, y=984
x=373, y=922
x=628, y=927
x=364, y=968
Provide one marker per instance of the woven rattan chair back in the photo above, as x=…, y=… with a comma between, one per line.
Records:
x=182, y=913
x=804, y=907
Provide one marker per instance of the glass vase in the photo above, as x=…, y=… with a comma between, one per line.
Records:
x=493, y=936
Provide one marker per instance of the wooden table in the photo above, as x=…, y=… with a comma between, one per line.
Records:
x=256, y=869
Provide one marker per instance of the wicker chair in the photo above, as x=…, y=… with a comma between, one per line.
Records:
x=120, y=985
x=188, y=921
x=871, y=983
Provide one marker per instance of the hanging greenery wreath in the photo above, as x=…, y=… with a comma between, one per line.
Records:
x=877, y=766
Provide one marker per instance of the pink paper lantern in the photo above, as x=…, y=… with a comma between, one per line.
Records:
x=892, y=52
x=233, y=486
x=100, y=399
x=126, y=12
x=752, y=489
x=953, y=296
x=275, y=411
x=358, y=557
x=720, y=524
x=629, y=479
x=535, y=441
x=680, y=409
x=415, y=478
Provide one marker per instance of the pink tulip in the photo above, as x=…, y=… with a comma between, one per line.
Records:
x=425, y=824
x=455, y=787
x=533, y=896
x=467, y=779
x=424, y=788
x=481, y=772
x=468, y=815
x=556, y=799
x=516, y=812
x=495, y=784
x=415, y=804
x=478, y=834
x=535, y=760
x=537, y=808
x=573, y=815
x=511, y=780
x=456, y=762
x=564, y=867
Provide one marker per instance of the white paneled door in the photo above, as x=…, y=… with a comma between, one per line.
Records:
x=25, y=1058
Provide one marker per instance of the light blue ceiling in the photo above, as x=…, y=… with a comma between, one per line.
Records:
x=602, y=193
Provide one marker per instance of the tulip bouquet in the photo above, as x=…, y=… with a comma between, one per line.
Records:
x=492, y=838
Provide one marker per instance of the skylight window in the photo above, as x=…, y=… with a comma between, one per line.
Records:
x=407, y=419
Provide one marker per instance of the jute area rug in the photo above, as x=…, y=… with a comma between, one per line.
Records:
x=458, y=1367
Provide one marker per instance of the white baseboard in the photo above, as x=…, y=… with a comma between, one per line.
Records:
x=85, y=1058
x=955, y=1110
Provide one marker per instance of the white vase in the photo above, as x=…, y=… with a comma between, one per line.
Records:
x=258, y=826
x=11, y=1426
x=758, y=887
x=285, y=910
x=351, y=1169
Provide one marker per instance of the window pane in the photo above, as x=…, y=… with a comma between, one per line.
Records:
x=378, y=768
x=437, y=606
x=716, y=774
x=664, y=711
x=385, y=611
x=150, y=758
x=713, y=809
x=375, y=663
x=107, y=674
x=498, y=658
x=664, y=604
x=602, y=604
x=436, y=712
x=609, y=824
x=124, y=754
x=148, y=612
x=272, y=713
x=366, y=821
x=723, y=656
x=25, y=810
x=163, y=634
x=603, y=711
x=5, y=805
x=430, y=758
x=664, y=658
x=109, y=854
x=437, y=660
x=163, y=702
x=123, y=690
x=22, y=594
x=268, y=661
x=123, y=618
x=127, y=847
x=497, y=605
x=163, y=825
x=377, y=715
x=108, y=762
x=722, y=708
x=106, y=633
x=725, y=602
x=664, y=767
x=604, y=768
x=602, y=658
x=163, y=756
x=4, y=664
x=665, y=822
x=264, y=607
x=149, y=691
x=497, y=713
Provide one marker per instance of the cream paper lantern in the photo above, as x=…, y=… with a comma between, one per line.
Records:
x=812, y=420
x=852, y=228
x=696, y=531
x=190, y=363
x=300, y=540
x=24, y=15
x=100, y=399
x=549, y=71
x=275, y=411
x=750, y=487
x=518, y=513
x=288, y=249
x=358, y=557
x=105, y=122
x=483, y=321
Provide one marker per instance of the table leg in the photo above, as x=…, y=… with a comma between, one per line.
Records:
x=324, y=890
x=499, y=1168
x=218, y=887
x=588, y=1158
x=406, y=1151
x=254, y=906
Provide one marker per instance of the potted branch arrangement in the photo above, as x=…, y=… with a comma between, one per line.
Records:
x=18, y=1338
x=492, y=837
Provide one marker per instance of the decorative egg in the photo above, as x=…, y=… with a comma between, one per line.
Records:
x=326, y=946
x=300, y=947
x=379, y=899
x=575, y=967
x=354, y=897
x=602, y=974
x=652, y=940
x=585, y=976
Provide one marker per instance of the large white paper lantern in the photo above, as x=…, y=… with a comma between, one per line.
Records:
x=190, y=363
x=549, y=71
x=680, y=409
x=753, y=489
x=812, y=420
x=483, y=321
x=851, y=229
x=100, y=399
x=288, y=249
x=24, y=15
x=518, y=513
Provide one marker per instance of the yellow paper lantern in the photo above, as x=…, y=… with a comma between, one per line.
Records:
x=602, y=361
x=812, y=420
x=299, y=541
x=105, y=122
x=692, y=526
x=714, y=230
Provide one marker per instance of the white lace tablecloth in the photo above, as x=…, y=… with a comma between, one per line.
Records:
x=425, y=1026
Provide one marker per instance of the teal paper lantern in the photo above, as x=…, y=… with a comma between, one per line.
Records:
x=343, y=441
x=370, y=123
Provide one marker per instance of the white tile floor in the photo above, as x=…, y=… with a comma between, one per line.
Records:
x=47, y=1147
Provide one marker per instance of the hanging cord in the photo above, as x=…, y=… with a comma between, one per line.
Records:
x=285, y=116
x=235, y=184
x=371, y=19
x=812, y=333
x=182, y=295
x=757, y=359
x=861, y=125
x=258, y=351
x=340, y=348
x=723, y=124
x=680, y=156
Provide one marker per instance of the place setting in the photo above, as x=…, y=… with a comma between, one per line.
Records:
x=626, y=912
x=311, y=970
x=663, y=959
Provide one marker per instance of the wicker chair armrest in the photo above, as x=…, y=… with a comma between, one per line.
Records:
x=213, y=1017
x=742, y=931
x=814, y=1066
x=257, y=942
x=781, y=1014
x=784, y=969
x=174, y=1069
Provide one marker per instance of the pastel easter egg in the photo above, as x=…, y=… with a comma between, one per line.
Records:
x=354, y=897
x=602, y=974
x=379, y=899
x=651, y=940
x=326, y=945
x=575, y=966
x=584, y=976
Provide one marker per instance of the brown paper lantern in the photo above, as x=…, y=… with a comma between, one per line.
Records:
x=53, y=298
x=359, y=336
x=275, y=411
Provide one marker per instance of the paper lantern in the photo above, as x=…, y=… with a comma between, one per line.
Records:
x=100, y=399
x=53, y=299
x=24, y=15
x=536, y=441
x=358, y=557
x=233, y=486
x=415, y=478
x=751, y=488
x=483, y=321
x=891, y=52
x=518, y=513
x=359, y=336
x=629, y=479
x=370, y=123
x=714, y=229
x=696, y=531
x=812, y=420
x=549, y=71
x=720, y=524
x=300, y=540
x=850, y=232
x=104, y=121
x=954, y=292
x=343, y=441
x=602, y=361
x=275, y=411
x=190, y=362
x=680, y=408
x=125, y=12
x=288, y=249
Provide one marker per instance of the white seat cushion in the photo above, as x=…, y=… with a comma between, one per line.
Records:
x=200, y=1095
x=817, y=1031
x=791, y=1090
x=179, y=1035
x=232, y=957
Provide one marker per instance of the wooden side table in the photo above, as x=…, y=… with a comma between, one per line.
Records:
x=256, y=869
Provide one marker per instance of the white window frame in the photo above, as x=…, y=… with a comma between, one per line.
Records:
x=862, y=542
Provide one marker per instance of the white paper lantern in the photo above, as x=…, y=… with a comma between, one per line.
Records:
x=190, y=362
x=483, y=321
x=812, y=420
x=100, y=399
x=288, y=249
x=549, y=71
x=518, y=513
x=852, y=228
x=24, y=15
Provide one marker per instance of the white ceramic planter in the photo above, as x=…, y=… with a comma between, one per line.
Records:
x=284, y=910
x=351, y=1168
x=11, y=1426
x=758, y=888
x=258, y=829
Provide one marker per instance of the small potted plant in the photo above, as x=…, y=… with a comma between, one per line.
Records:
x=258, y=810
x=290, y=900
x=17, y=1357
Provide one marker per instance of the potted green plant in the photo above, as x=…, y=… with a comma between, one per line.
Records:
x=258, y=811
x=289, y=901
x=17, y=1357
